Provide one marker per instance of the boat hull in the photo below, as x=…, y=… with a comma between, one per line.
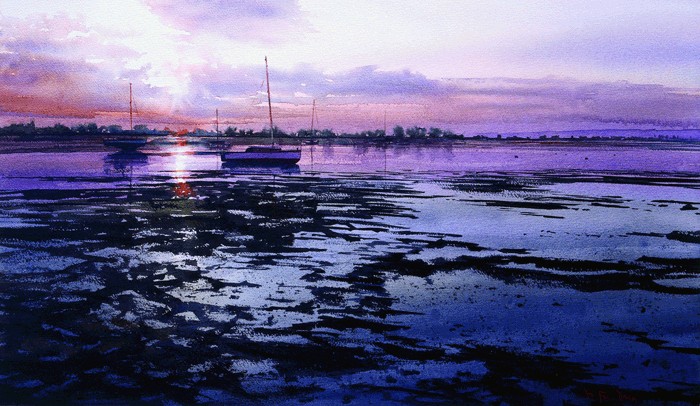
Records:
x=217, y=144
x=126, y=144
x=270, y=158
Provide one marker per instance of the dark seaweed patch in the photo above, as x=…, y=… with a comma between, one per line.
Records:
x=123, y=322
x=685, y=236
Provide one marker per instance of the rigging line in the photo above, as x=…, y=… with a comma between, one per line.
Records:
x=133, y=101
x=260, y=92
x=313, y=113
x=136, y=107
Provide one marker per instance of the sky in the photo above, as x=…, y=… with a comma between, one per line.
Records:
x=468, y=66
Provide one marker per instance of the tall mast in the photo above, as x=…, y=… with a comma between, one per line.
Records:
x=269, y=102
x=131, y=114
x=313, y=115
x=217, y=121
x=385, y=122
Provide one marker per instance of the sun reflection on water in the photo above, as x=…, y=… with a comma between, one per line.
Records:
x=182, y=153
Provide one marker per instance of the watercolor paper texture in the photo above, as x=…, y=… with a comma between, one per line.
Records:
x=444, y=202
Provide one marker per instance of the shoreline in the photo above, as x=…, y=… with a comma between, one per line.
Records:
x=75, y=143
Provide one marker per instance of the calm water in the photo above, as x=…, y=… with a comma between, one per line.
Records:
x=479, y=273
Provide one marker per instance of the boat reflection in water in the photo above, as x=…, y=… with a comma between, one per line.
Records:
x=247, y=168
x=124, y=162
x=265, y=155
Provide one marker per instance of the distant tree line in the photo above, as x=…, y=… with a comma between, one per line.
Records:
x=398, y=133
x=30, y=129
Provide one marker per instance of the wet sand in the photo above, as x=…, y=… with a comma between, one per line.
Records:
x=168, y=278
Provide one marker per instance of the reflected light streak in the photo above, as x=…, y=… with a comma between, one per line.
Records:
x=182, y=152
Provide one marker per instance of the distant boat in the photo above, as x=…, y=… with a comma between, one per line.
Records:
x=269, y=155
x=217, y=143
x=314, y=117
x=127, y=141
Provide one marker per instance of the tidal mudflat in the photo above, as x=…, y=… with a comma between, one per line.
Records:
x=465, y=274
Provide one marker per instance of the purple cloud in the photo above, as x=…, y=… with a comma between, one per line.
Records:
x=252, y=20
x=62, y=67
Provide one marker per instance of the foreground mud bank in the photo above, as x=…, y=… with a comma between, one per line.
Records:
x=226, y=286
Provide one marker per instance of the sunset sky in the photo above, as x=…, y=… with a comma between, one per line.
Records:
x=462, y=65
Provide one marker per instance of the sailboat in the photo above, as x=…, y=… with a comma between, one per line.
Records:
x=271, y=154
x=217, y=143
x=128, y=141
x=314, y=117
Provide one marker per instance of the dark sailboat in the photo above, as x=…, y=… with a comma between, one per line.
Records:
x=266, y=155
x=217, y=143
x=127, y=141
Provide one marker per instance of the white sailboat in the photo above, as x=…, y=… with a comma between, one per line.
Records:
x=264, y=154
